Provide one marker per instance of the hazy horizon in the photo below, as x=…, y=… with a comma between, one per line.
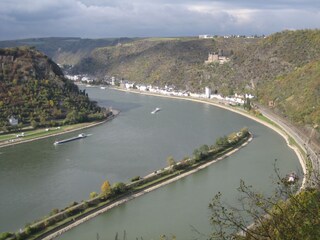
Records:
x=158, y=18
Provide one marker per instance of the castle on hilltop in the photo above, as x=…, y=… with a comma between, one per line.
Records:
x=217, y=57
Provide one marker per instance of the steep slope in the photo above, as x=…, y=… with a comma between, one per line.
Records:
x=297, y=94
x=33, y=89
x=178, y=61
x=278, y=54
x=157, y=61
x=269, y=67
x=256, y=65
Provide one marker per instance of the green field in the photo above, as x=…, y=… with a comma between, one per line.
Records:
x=40, y=133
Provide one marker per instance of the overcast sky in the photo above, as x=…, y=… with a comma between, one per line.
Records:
x=139, y=18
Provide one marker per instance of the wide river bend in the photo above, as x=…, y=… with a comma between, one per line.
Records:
x=38, y=176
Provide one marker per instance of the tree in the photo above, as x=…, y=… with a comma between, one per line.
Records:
x=197, y=155
x=72, y=117
x=105, y=188
x=93, y=195
x=34, y=124
x=247, y=104
x=118, y=188
x=204, y=149
x=171, y=162
x=222, y=141
x=28, y=230
x=284, y=215
x=54, y=211
x=5, y=235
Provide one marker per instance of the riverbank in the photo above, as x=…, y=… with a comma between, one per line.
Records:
x=149, y=186
x=285, y=134
x=58, y=131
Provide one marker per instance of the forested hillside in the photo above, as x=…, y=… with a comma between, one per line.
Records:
x=160, y=61
x=281, y=67
x=267, y=67
x=297, y=94
x=180, y=61
x=34, y=91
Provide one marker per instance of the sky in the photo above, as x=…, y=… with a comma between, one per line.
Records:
x=153, y=18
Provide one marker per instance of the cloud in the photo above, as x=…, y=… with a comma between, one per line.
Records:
x=105, y=18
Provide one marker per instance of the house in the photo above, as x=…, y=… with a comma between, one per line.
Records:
x=205, y=36
x=129, y=85
x=207, y=92
x=13, y=121
x=271, y=103
x=113, y=81
x=142, y=87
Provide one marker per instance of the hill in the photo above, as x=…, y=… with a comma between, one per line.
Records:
x=296, y=94
x=34, y=91
x=68, y=50
x=160, y=61
x=180, y=61
x=256, y=65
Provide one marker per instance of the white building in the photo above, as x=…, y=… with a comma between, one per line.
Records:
x=249, y=96
x=72, y=77
x=129, y=85
x=142, y=87
x=217, y=96
x=113, y=81
x=205, y=36
x=86, y=79
x=13, y=121
x=207, y=92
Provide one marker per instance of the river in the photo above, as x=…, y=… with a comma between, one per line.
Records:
x=38, y=176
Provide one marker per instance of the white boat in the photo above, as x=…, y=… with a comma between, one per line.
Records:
x=156, y=110
x=103, y=88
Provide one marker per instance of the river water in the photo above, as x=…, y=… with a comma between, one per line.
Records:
x=38, y=176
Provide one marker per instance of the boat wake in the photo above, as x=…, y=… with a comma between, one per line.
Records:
x=155, y=110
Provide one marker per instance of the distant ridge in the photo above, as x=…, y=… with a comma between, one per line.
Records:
x=64, y=50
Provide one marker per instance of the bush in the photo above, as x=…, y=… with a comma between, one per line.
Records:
x=49, y=222
x=28, y=231
x=54, y=211
x=73, y=204
x=5, y=235
x=135, y=179
x=34, y=124
x=118, y=188
x=182, y=165
x=93, y=195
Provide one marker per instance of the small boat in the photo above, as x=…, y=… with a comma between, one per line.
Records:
x=156, y=110
x=290, y=178
x=80, y=136
x=103, y=88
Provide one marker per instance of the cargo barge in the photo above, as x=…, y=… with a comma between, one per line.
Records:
x=80, y=136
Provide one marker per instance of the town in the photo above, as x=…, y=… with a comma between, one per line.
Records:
x=236, y=99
